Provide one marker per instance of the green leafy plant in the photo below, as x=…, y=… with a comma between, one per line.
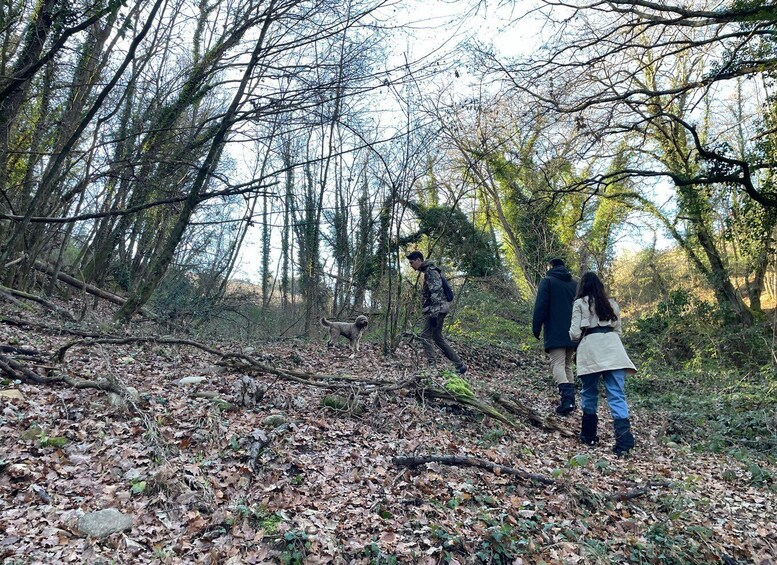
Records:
x=295, y=548
x=499, y=546
x=376, y=556
x=451, y=545
x=138, y=487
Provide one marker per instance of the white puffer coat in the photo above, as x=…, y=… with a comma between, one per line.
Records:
x=598, y=351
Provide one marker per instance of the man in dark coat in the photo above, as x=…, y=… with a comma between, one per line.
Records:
x=435, y=308
x=553, y=311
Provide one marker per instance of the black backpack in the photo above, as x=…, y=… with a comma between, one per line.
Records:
x=446, y=288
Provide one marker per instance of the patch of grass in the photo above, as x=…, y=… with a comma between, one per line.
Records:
x=258, y=516
x=53, y=441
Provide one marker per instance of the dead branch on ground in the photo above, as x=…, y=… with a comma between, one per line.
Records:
x=478, y=405
x=519, y=409
x=52, y=271
x=48, y=328
x=465, y=461
x=37, y=299
x=246, y=364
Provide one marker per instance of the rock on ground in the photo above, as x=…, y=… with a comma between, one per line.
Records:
x=104, y=523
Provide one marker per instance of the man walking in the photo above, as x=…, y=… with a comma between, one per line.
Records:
x=553, y=310
x=435, y=308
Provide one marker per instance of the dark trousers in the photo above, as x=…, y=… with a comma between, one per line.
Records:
x=432, y=336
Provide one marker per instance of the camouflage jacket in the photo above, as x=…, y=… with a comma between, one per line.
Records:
x=434, y=302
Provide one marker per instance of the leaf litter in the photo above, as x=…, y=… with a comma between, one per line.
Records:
x=214, y=483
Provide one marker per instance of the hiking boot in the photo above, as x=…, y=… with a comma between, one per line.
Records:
x=461, y=369
x=567, y=393
x=588, y=429
x=624, y=441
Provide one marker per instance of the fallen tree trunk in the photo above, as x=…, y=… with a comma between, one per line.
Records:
x=53, y=329
x=72, y=281
x=45, y=303
x=88, y=288
x=479, y=405
x=534, y=417
x=465, y=461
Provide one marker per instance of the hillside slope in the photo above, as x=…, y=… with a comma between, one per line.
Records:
x=206, y=480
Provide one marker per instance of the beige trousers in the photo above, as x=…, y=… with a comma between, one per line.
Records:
x=561, y=365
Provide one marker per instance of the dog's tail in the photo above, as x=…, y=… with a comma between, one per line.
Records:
x=325, y=322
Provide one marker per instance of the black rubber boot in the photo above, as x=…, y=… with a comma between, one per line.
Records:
x=588, y=429
x=624, y=441
x=567, y=393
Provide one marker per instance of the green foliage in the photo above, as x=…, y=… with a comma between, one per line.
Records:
x=493, y=315
x=454, y=236
x=259, y=516
x=499, y=546
x=295, y=548
x=713, y=411
x=686, y=332
x=579, y=460
x=376, y=556
x=450, y=542
x=662, y=544
x=54, y=441
x=542, y=219
x=493, y=436
x=138, y=487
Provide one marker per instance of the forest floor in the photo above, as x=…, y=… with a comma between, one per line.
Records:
x=208, y=482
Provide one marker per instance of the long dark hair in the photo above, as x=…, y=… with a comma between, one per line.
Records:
x=591, y=286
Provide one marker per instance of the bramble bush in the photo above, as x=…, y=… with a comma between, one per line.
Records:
x=685, y=332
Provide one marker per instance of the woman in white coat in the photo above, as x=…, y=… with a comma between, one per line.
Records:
x=596, y=324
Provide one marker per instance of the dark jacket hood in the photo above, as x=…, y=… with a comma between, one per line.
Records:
x=560, y=272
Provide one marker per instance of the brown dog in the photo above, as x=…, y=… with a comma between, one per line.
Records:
x=351, y=330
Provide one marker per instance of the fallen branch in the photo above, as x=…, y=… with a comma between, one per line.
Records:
x=72, y=281
x=88, y=288
x=45, y=303
x=16, y=370
x=51, y=329
x=624, y=495
x=464, y=461
x=534, y=417
x=478, y=405
x=19, y=350
x=8, y=298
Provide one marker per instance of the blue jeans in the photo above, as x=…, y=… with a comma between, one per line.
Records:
x=614, y=386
